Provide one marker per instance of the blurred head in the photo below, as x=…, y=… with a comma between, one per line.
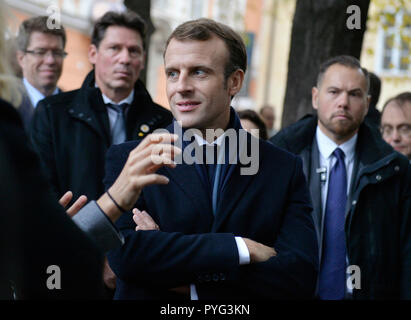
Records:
x=396, y=123
x=8, y=83
x=205, y=62
x=374, y=90
x=251, y=120
x=117, y=52
x=40, y=53
x=341, y=97
x=268, y=116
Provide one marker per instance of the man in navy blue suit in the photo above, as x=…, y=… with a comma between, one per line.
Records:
x=235, y=227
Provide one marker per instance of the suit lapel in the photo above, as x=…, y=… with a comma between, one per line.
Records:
x=314, y=183
x=236, y=186
x=231, y=196
x=187, y=178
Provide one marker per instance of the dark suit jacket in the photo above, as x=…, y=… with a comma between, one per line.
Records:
x=378, y=211
x=35, y=232
x=193, y=246
x=71, y=133
x=26, y=109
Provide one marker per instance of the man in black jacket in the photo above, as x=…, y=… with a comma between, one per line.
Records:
x=364, y=231
x=43, y=255
x=72, y=131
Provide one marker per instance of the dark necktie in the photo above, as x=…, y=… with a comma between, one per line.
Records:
x=118, y=131
x=210, y=161
x=332, y=280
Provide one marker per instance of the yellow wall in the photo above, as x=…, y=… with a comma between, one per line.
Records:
x=275, y=46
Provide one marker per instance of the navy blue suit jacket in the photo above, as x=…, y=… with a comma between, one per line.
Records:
x=194, y=247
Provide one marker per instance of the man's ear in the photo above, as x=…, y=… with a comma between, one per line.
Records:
x=144, y=60
x=314, y=96
x=92, y=54
x=368, y=103
x=235, y=82
x=20, y=57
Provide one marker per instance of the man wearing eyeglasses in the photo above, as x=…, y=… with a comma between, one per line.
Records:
x=396, y=123
x=40, y=55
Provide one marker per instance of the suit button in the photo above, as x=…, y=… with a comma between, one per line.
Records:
x=397, y=168
x=378, y=177
x=200, y=278
x=222, y=276
x=215, y=277
x=207, y=277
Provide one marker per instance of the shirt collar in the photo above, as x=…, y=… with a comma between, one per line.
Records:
x=233, y=123
x=128, y=99
x=217, y=141
x=34, y=94
x=326, y=146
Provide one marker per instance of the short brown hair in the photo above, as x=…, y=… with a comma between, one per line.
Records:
x=253, y=116
x=344, y=60
x=400, y=99
x=128, y=19
x=37, y=24
x=203, y=29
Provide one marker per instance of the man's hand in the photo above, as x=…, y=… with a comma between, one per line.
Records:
x=76, y=206
x=109, y=276
x=144, y=221
x=259, y=252
x=154, y=152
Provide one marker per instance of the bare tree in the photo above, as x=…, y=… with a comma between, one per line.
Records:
x=321, y=29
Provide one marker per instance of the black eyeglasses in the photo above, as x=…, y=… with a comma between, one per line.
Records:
x=41, y=53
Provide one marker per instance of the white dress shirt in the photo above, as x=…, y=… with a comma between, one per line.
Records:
x=35, y=95
x=326, y=148
x=243, y=253
x=112, y=114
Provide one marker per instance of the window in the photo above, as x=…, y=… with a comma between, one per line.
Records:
x=395, y=39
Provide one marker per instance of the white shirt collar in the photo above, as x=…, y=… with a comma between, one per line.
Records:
x=326, y=146
x=129, y=99
x=34, y=94
x=201, y=141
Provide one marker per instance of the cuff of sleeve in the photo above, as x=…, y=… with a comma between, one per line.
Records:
x=243, y=253
x=193, y=292
x=93, y=221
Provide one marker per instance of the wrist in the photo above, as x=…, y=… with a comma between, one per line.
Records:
x=108, y=207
